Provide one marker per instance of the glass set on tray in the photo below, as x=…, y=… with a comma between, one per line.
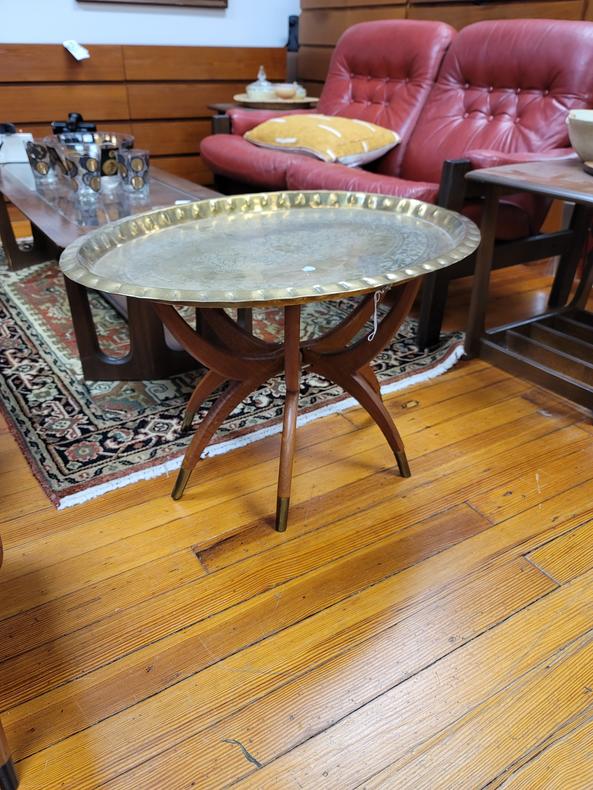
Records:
x=87, y=164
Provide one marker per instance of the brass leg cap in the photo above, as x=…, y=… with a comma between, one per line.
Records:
x=282, y=504
x=180, y=483
x=402, y=462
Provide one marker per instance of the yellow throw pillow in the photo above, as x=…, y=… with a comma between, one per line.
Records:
x=327, y=137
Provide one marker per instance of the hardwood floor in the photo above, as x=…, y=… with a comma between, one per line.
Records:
x=431, y=632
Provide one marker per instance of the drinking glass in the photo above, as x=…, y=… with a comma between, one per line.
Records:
x=83, y=166
x=42, y=159
x=134, y=164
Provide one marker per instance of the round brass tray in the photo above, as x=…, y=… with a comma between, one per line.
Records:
x=270, y=248
x=275, y=104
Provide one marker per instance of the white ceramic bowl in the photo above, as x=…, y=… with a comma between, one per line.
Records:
x=580, y=133
x=285, y=90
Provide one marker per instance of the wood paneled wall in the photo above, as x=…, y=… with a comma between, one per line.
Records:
x=323, y=21
x=160, y=94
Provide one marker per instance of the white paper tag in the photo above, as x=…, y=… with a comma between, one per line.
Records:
x=76, y=50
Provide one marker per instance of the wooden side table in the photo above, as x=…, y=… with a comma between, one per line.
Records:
x=554, y=349
x=282, y=249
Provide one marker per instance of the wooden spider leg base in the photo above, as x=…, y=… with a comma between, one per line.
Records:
x=242, y=362
x=351, y=368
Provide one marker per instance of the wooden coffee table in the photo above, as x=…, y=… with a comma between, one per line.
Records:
x=56, y=222
x=282, y=249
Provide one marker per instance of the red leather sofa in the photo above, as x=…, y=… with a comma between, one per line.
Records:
x=494, y=93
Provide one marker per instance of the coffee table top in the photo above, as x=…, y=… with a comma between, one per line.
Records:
x=63, y=220
x=564, y=179
x=271, y=248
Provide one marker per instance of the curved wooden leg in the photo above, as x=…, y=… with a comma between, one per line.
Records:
x=351, y=368
x=370, y=376
x=339, y=336
x=292, y=375
x=8, y=777
x=359, y=387
x=204, y=389
x=219, y=411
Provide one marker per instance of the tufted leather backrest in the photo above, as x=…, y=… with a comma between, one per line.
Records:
x=382, y=72
x=505, y=85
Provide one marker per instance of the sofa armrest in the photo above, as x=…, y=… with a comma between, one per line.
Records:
x=453, y=188
x=308, y=173
x=242, y=119
x=482, y=158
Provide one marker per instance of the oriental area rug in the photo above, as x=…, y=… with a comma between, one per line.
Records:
x=83, y=439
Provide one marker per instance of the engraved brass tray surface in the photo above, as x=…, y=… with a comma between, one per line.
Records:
x=270, y=248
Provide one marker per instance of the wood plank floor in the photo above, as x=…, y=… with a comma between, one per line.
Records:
x=434, y=632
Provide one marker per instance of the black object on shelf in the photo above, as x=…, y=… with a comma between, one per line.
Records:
x=293, y=34
x=75, y=123
x=7, y=128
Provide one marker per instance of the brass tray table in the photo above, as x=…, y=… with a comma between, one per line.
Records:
x=275, y=249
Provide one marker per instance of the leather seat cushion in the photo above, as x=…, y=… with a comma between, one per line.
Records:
x=311, y=174
x=235, y=158
x=518, y=216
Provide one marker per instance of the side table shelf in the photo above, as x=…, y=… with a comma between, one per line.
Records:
x=555, y=350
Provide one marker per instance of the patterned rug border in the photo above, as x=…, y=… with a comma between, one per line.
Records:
x=249, y=436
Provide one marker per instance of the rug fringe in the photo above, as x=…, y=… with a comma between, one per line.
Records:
x=224, y=447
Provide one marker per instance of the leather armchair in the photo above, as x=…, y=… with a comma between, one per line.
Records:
x=380, y=72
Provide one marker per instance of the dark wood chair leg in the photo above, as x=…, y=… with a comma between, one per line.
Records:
x=435, y=288
x=8, y=777
x=567, y=265
x=432, y=308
